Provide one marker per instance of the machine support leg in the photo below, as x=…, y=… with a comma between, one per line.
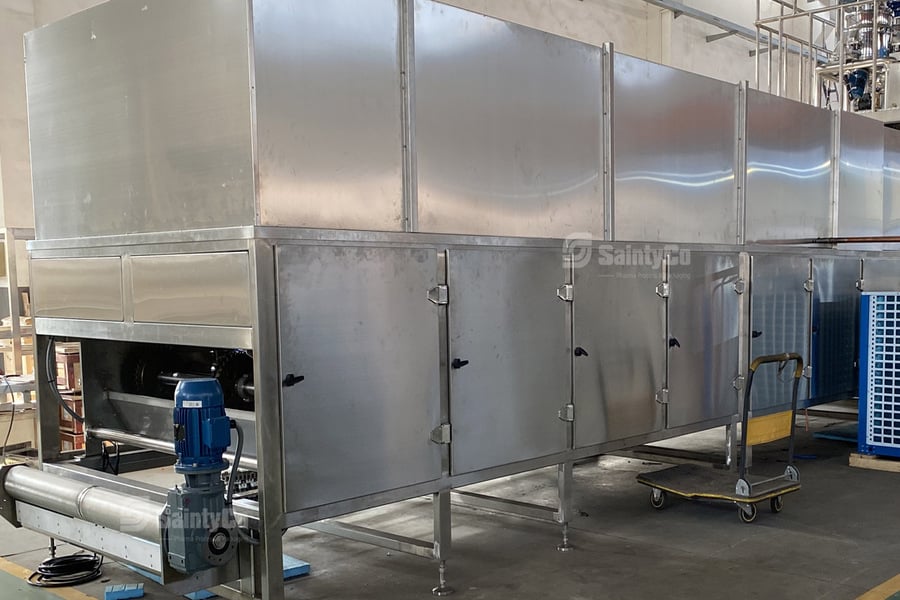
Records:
x=565, y=484
x=442, y=540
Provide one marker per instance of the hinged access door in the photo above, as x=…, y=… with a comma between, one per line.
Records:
x=620, y=348
x=703, y=341
x=358, y=325
x=509, y=355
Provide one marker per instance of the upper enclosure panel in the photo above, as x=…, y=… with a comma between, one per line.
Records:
x=674, y=155
x=507, y=127
x=328, y=102
x=140, y=119
x=789, y=174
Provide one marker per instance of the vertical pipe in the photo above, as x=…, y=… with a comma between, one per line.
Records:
x=782, y=56
x=9, y=239
x=842, y=57
x=740, y=161
x=875, y=36
x=812, y=63
x=756, y=56
x=769, y=61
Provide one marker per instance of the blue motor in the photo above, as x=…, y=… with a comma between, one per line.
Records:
x=200, y=529
x=202, y=430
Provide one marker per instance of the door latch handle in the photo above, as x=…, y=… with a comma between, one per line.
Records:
x=458, y=363
x=579, y=351
x=290, y=380
x=755, y=334
x=674, y=343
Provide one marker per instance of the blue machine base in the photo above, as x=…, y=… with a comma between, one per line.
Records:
x=290, y=566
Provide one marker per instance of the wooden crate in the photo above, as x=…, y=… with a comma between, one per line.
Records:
x=68, y=368
x=70, y=442
x=66, y=421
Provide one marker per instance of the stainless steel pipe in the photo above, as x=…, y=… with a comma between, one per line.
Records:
x=123, y=437
x=120, y=512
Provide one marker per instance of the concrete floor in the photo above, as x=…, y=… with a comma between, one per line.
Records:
x=837, y=538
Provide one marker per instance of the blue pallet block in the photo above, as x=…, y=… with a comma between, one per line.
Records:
x=291, y=568
x=879, y=374
x=124, y=592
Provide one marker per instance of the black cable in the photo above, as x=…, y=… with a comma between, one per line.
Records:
x=65, y=571
x=51, y=381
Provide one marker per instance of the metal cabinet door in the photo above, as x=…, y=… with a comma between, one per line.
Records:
x=357, y=324
x=620, y=330
x=779, y=322
x=834, y=346
x=704, y=337
x=508, y=323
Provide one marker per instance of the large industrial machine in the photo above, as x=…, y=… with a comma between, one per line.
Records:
x=416, y=248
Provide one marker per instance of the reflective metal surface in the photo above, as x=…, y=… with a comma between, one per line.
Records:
x=192, y=289
x=703, y=318
x=620, y=325
x=507, y=127
x=674, y=155
x=861, y=200
x=508, y=323
x=328, y=113
x=834, y=345
x=789, y=151
x=356, y=323
x=78, y=288
x=139, y=117
x=891, y=216
x=779, y=322
x=881, y=274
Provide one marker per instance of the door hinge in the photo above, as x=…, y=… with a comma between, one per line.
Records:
x=662, y=289
x=738, y=382
x=566, y=292
x=809, y=285
x=807, y=371
x=860, y=284
x=740, y=286
x=439, y=294
x=662, y=396
x=567, y=413
x=441, y=434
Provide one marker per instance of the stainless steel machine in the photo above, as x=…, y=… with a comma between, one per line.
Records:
x=418, y=248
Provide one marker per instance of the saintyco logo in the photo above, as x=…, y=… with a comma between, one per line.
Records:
x=580, y=249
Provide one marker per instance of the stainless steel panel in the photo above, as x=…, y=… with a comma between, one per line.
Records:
x=674, y=155
x=834, y=336
x=192, y=289
x=704, y=342
x=779, y=322
x=891, y=216
x=357, y=324
x=139, y=115
x=619, y=321
x=789, y=153
x=328, y=113
x=881, y=274
x=861, y=196
x=78, y=288
x=507, y=321
x=507, y=127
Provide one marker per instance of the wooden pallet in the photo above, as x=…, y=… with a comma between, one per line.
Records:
x=876, y=463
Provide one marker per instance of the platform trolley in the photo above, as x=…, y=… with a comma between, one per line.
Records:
x=695, y=482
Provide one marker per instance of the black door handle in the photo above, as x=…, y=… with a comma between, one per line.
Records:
x=674, y=343
x=579, y=351
x=458, y=363
x=290, y=380
x=755, y=334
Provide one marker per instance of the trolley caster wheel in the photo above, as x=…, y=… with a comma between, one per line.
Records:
x=747, y=517
x=776, y=504
x=658, y=499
